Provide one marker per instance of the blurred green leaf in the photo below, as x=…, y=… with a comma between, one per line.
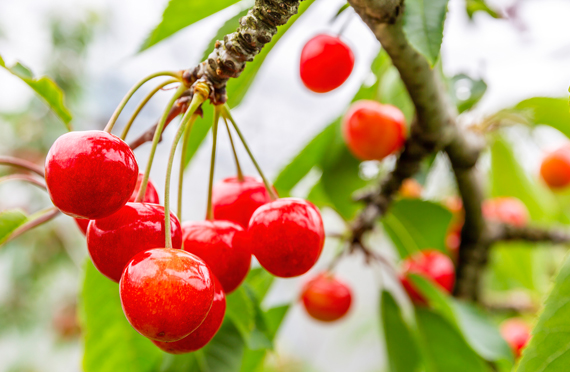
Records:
x=240, y=310
x=554, y=112
x=437, y=299
x=10, y=220
x=259, y=281
x=423, y=25
x=473, y=6
x=465, y=91
x=46, y=88
x=393, y=91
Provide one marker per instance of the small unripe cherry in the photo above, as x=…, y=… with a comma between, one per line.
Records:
x=372, y=130
x=326, y=298
x=326, y=63
x=432, y=265
x=411, y=189
x=166, y=293
x=517, y=334
x=555, y=168
x=287, y=236
x=507, y=210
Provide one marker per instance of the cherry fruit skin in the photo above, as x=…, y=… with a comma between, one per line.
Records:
x=326, y=63
x=113, y=241
x=507, y=210
x=223, y=246
x=431, y=264
x=205, y=332
x=555, y=168
x=326, y=298
x=90, y=174
x=166, y=293
x=372, y=130
x=236, y=200
x=517, y=334
x=287, y=236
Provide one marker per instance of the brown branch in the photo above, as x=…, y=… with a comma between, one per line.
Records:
x=26, y=178
x=502, y=232
x=21, y=163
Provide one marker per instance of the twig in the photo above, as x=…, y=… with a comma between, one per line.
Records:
x=505, y=232
x=44, y=216
x=20, y=163
x=26, y=178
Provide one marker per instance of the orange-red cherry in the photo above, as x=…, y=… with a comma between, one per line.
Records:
x=287, y=236
x=90, y=174
x=326, y=298
x=555, y=168
x=113, y=241
x=507, y=210
x=372, y=130
x=517, y=334
x=431, y=264
x=326, y=63
x=205, y=332
x=223, y=246
x=166, y=293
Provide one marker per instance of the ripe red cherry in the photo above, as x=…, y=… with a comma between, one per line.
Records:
x=555, y=168
x=113, y=241
x=236, y=200
x=506, y=210
x=150, y=196
x=326, y=63
x=431, y=264
x=287, y=236
x=205, y=332
x=223, y=246
x=326, y=298
x=166, y=293
x=372, y=130
x=517, y=334
x=90, y=174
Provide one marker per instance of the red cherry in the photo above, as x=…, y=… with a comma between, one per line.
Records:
x=287, y=236
x=517, y=334
x=113, y=241
x=223, y=246
x=431, y=264
x=166, y=293
x=205, y=332
x=555, y=168
x=235, y=200
x=326, y=298
x=150, y=196
x=90, y=174
x=372, y=130
x=326, y=63
x=507, y=210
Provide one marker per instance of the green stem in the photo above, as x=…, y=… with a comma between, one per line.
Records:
x=210, y=211
x=238, y=166
x=142, y=104
x=132, y=91
x=227, y=114
x=185, y=143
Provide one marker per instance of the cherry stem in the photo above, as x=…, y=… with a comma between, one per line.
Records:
x=25, y=178
x=132, y=91
x=20, y=163
x=35, y=220
x=142, y=104
x=183, y=155
x=238, y=166
x=228, y=115
x=210, y=209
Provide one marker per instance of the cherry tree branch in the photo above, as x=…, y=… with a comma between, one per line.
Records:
x=21, y=163
x=503, y=232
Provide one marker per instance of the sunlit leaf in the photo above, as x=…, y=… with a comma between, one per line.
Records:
x=465, y=91
x=554, y=112
x=473, y=6
x=10, y=220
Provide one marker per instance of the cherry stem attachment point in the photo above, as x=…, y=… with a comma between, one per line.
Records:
x=238, y=166
x=20, y=163
x=210, y=210
x=183, y=155
x=35, y=220
x=25, y=178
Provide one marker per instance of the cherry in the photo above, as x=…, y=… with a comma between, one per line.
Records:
x=236, y=200
x=507, y=210
x=517, y=334
x=150, y=196
x=431, y=264
x=555, y=168
x=166, y=293
x=90, y=174
x=411, y=189
x=326, y=298
x=205, y=332
x=372, y=130
x=223, y=246
x=113, y=241
x=287, y=236
x=326, y=63
x=453, y=238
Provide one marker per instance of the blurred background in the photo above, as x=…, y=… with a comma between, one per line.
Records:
x=89, y=47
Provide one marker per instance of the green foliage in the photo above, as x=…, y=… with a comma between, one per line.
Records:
x=547, y=111
x=44, y=87
x=475, y=88
x=10, y=220
x=473, y=6
x=392, y=90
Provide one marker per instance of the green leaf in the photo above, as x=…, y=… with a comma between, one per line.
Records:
x=340, y=10
x=393, y=91
x=437, y=299
x=259, y=281
x=473, y=6
x=240, y=310
x=10, y=220
x=547, y=111
x=46, y=88
x=423, y=25
x=465, y=91
x=111, y=344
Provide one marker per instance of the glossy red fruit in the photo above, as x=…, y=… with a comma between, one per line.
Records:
x=235, y=200
x=90, y=174
x=287, y=236
x=431, y=264
x=517, y=334
x=223, y=246
x=326, y=63
x=150, y=196
x=205, y=332
x=326, y=298
x=113, y=241
x=555, y=168
x=507, y=210
x=372, y=130
x=166, y=293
